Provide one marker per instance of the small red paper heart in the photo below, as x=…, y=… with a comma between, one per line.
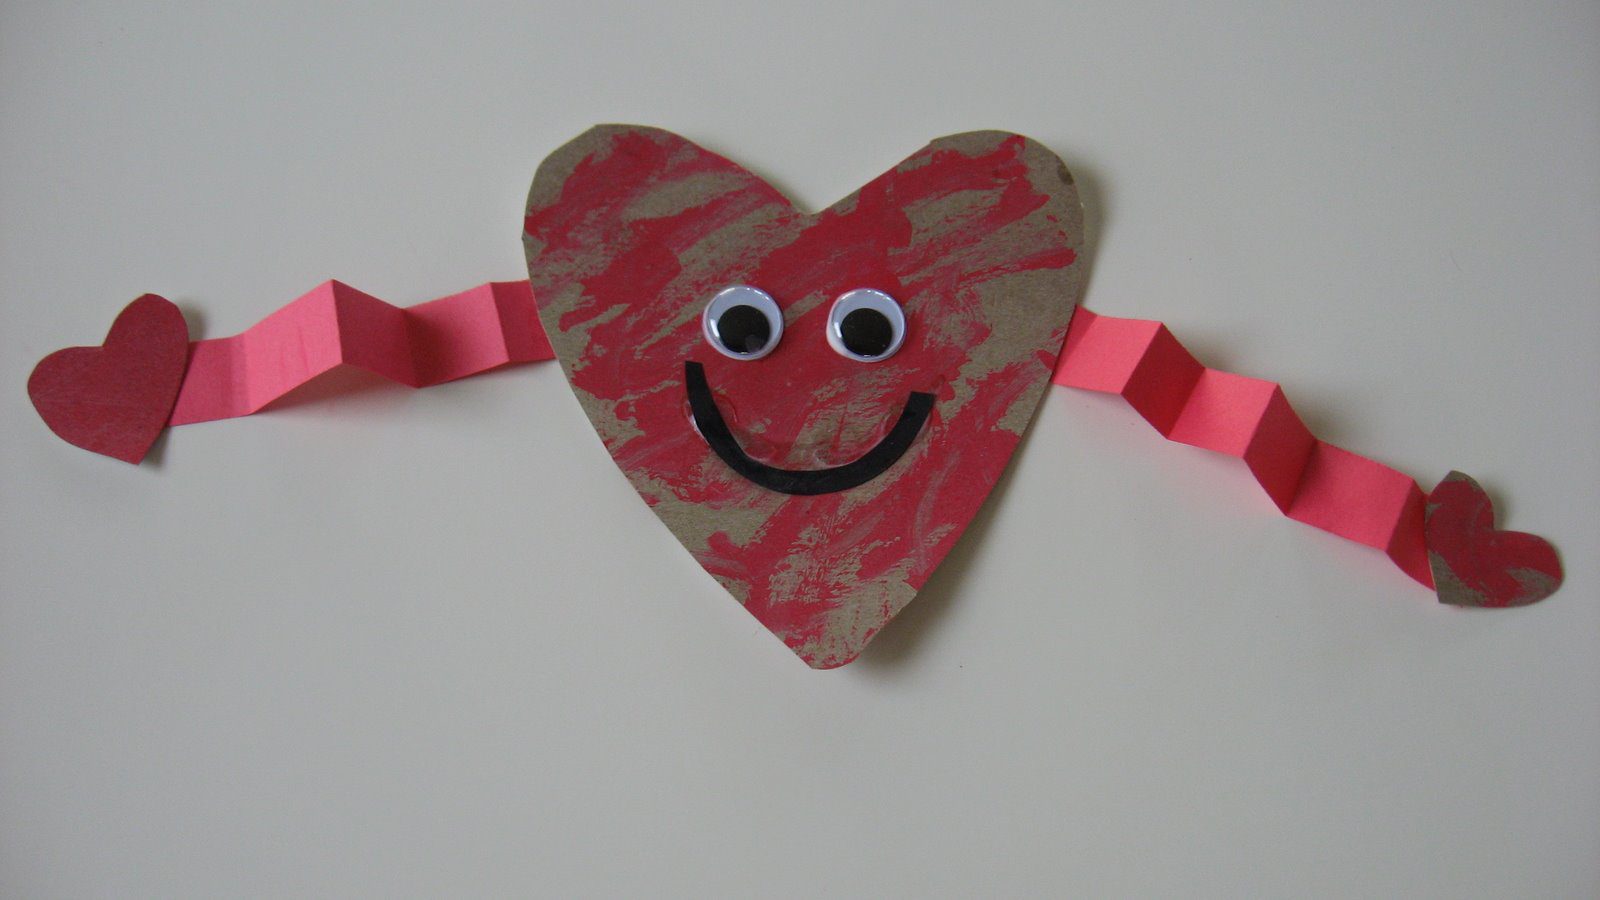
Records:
x=1475, y=565
x=114, y=399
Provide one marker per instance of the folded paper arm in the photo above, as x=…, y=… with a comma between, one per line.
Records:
x=1446, y=540
x=1309, y=480
x=489, y=326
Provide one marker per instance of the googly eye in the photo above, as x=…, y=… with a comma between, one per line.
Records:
x=866, y=325
x=742, y=322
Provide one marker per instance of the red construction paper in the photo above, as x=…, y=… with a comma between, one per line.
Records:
x=1309, y=480
x=631, y=231
x=1475, y=565
x=114, y=399
x=336, y=325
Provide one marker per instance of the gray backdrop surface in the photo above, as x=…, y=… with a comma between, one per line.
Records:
x=396, y=643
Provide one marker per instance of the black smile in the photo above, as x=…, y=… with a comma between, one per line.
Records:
x=801, y=481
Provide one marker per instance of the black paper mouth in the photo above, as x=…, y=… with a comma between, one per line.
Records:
x=802, y=481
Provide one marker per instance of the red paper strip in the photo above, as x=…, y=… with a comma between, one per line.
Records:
x=1310, y=480
x=334, y=324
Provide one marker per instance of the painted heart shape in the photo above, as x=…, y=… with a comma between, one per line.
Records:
x=114, y=399
x=1475, y=565
x=631, y=231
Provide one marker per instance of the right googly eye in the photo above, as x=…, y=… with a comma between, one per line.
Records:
x=866, y=325
x=742, y=322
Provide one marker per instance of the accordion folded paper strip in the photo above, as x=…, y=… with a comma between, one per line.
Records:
x=814, y=404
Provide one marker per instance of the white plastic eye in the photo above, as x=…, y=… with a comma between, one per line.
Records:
x=866, y=325
x=742, y=322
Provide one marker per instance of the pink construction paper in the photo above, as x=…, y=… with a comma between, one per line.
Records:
x=1309, y=480
x=336, y=325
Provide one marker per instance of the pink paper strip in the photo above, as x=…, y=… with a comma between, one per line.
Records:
x=1310, y=480
x=334, y=325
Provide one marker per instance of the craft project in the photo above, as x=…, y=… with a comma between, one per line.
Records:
x=847, y=436
x=815, y=405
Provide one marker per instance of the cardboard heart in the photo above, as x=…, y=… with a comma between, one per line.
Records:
x=114, y=399
x=1475, y=565
x=836, y=486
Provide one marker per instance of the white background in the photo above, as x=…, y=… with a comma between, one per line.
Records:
x=394, y=643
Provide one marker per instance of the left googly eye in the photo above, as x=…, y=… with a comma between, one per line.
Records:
x=866, y=325
x=742, y=322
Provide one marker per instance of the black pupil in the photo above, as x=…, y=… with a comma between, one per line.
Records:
x=743, y=329
x=866, y=332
